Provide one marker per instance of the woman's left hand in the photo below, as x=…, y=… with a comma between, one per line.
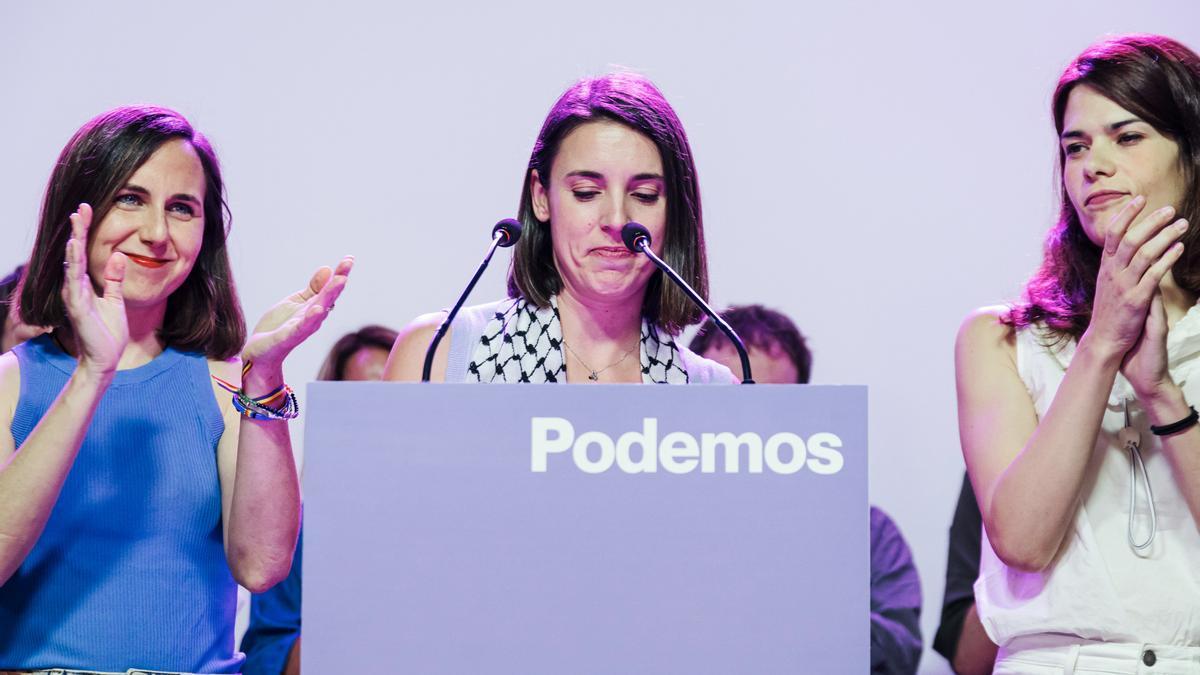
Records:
x=1145, y=365
x=298, y=316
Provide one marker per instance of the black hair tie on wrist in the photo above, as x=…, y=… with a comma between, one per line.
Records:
x=1175, y=427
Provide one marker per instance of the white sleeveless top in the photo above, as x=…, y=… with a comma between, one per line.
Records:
x=1099, y=587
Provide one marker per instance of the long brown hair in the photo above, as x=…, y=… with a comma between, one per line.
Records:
x=203, y=314
x=1157, y=79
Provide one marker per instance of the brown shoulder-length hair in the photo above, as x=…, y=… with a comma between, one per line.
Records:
x=334, y=367
x=634, y=101
x=203, y=314
x=1157, y=79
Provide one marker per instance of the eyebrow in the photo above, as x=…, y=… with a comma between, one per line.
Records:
x=583, y=173
x=648, y=176
x=182, y=196
x=596, y=175
x=1115, y=126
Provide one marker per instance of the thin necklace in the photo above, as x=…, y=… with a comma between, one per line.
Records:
x=593, y=374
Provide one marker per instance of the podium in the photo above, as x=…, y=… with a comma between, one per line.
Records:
x=455, y=528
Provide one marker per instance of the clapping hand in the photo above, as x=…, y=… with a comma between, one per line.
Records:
x=98, y=322
x=1128, y=310
x=298, y=316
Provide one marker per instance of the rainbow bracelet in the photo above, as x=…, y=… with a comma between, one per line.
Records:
x=262, y=408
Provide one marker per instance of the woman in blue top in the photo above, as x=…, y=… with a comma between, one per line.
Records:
x=135, y=492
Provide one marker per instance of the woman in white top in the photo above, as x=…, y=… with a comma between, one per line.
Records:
x=1091, y=553
x=581, y=306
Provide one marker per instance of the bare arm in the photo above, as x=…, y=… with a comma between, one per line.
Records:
x=407, y=359
x=32, y=476
x=976, y=653
x=1028, y=473
x=1027, y=476
x=260, y=493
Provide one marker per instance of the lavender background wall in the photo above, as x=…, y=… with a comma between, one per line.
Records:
x=875, y=172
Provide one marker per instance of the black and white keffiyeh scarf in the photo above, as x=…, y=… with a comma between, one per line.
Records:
x=524, y=343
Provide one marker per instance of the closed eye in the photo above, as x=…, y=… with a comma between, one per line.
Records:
x=585, y=195
x=646, y=197
x=1130, y=138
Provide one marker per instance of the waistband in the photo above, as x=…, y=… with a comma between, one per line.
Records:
x=1070, y=650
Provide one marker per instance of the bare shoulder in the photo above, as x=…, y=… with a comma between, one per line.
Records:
x=407, y=359
x=986, y=330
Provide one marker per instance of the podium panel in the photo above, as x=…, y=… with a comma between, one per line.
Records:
x=585, y=529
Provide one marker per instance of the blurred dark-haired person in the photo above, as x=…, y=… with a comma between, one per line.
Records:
x=15, y=331
x=777, y=349
x=960, y=636
x=272, y=641
x=1075, y=405
x=779, y=354
x=582, y=308
x=359, y=356
x=137, y=490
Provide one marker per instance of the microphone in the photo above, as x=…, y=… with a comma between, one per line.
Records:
x=637, y=239
x=506, y=233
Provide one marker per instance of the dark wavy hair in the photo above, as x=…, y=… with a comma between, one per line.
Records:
x=203, y=314
x=1157, y=79
x=334, y=367
x=760, y=328
x=634, y=101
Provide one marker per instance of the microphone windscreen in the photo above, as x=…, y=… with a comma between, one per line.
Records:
x=511, y=229
x=631, y=233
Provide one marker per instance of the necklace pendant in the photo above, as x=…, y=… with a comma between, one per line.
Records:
x=594, y=377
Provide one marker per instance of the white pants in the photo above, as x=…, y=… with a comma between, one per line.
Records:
x=1070, y=655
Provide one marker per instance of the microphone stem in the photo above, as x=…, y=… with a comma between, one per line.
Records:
x=725, y=328
x=441, y=331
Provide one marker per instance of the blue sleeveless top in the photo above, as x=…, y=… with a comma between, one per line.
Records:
x=130, y=571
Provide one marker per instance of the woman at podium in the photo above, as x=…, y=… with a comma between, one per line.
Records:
x=582, y=307
x=136, y=488
x=1075, y=405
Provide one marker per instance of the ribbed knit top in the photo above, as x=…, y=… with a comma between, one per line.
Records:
x=130, y=571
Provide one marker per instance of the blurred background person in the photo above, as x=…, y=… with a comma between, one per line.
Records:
x=960, y=636
x=15, y=331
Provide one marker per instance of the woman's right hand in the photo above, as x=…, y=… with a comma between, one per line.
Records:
x=98, y=323
x=1136, y=258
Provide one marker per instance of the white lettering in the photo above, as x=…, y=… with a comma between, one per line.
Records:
x=648, y=440
x=825, y=459
x=600, y=440
x=636, y=452
x=771, y=453
x=678, y=452
x=732, y=444
x=541, y=445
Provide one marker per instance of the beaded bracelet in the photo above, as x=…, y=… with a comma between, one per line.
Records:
x=261, y=408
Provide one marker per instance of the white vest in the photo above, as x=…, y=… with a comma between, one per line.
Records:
x=1099, y=587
